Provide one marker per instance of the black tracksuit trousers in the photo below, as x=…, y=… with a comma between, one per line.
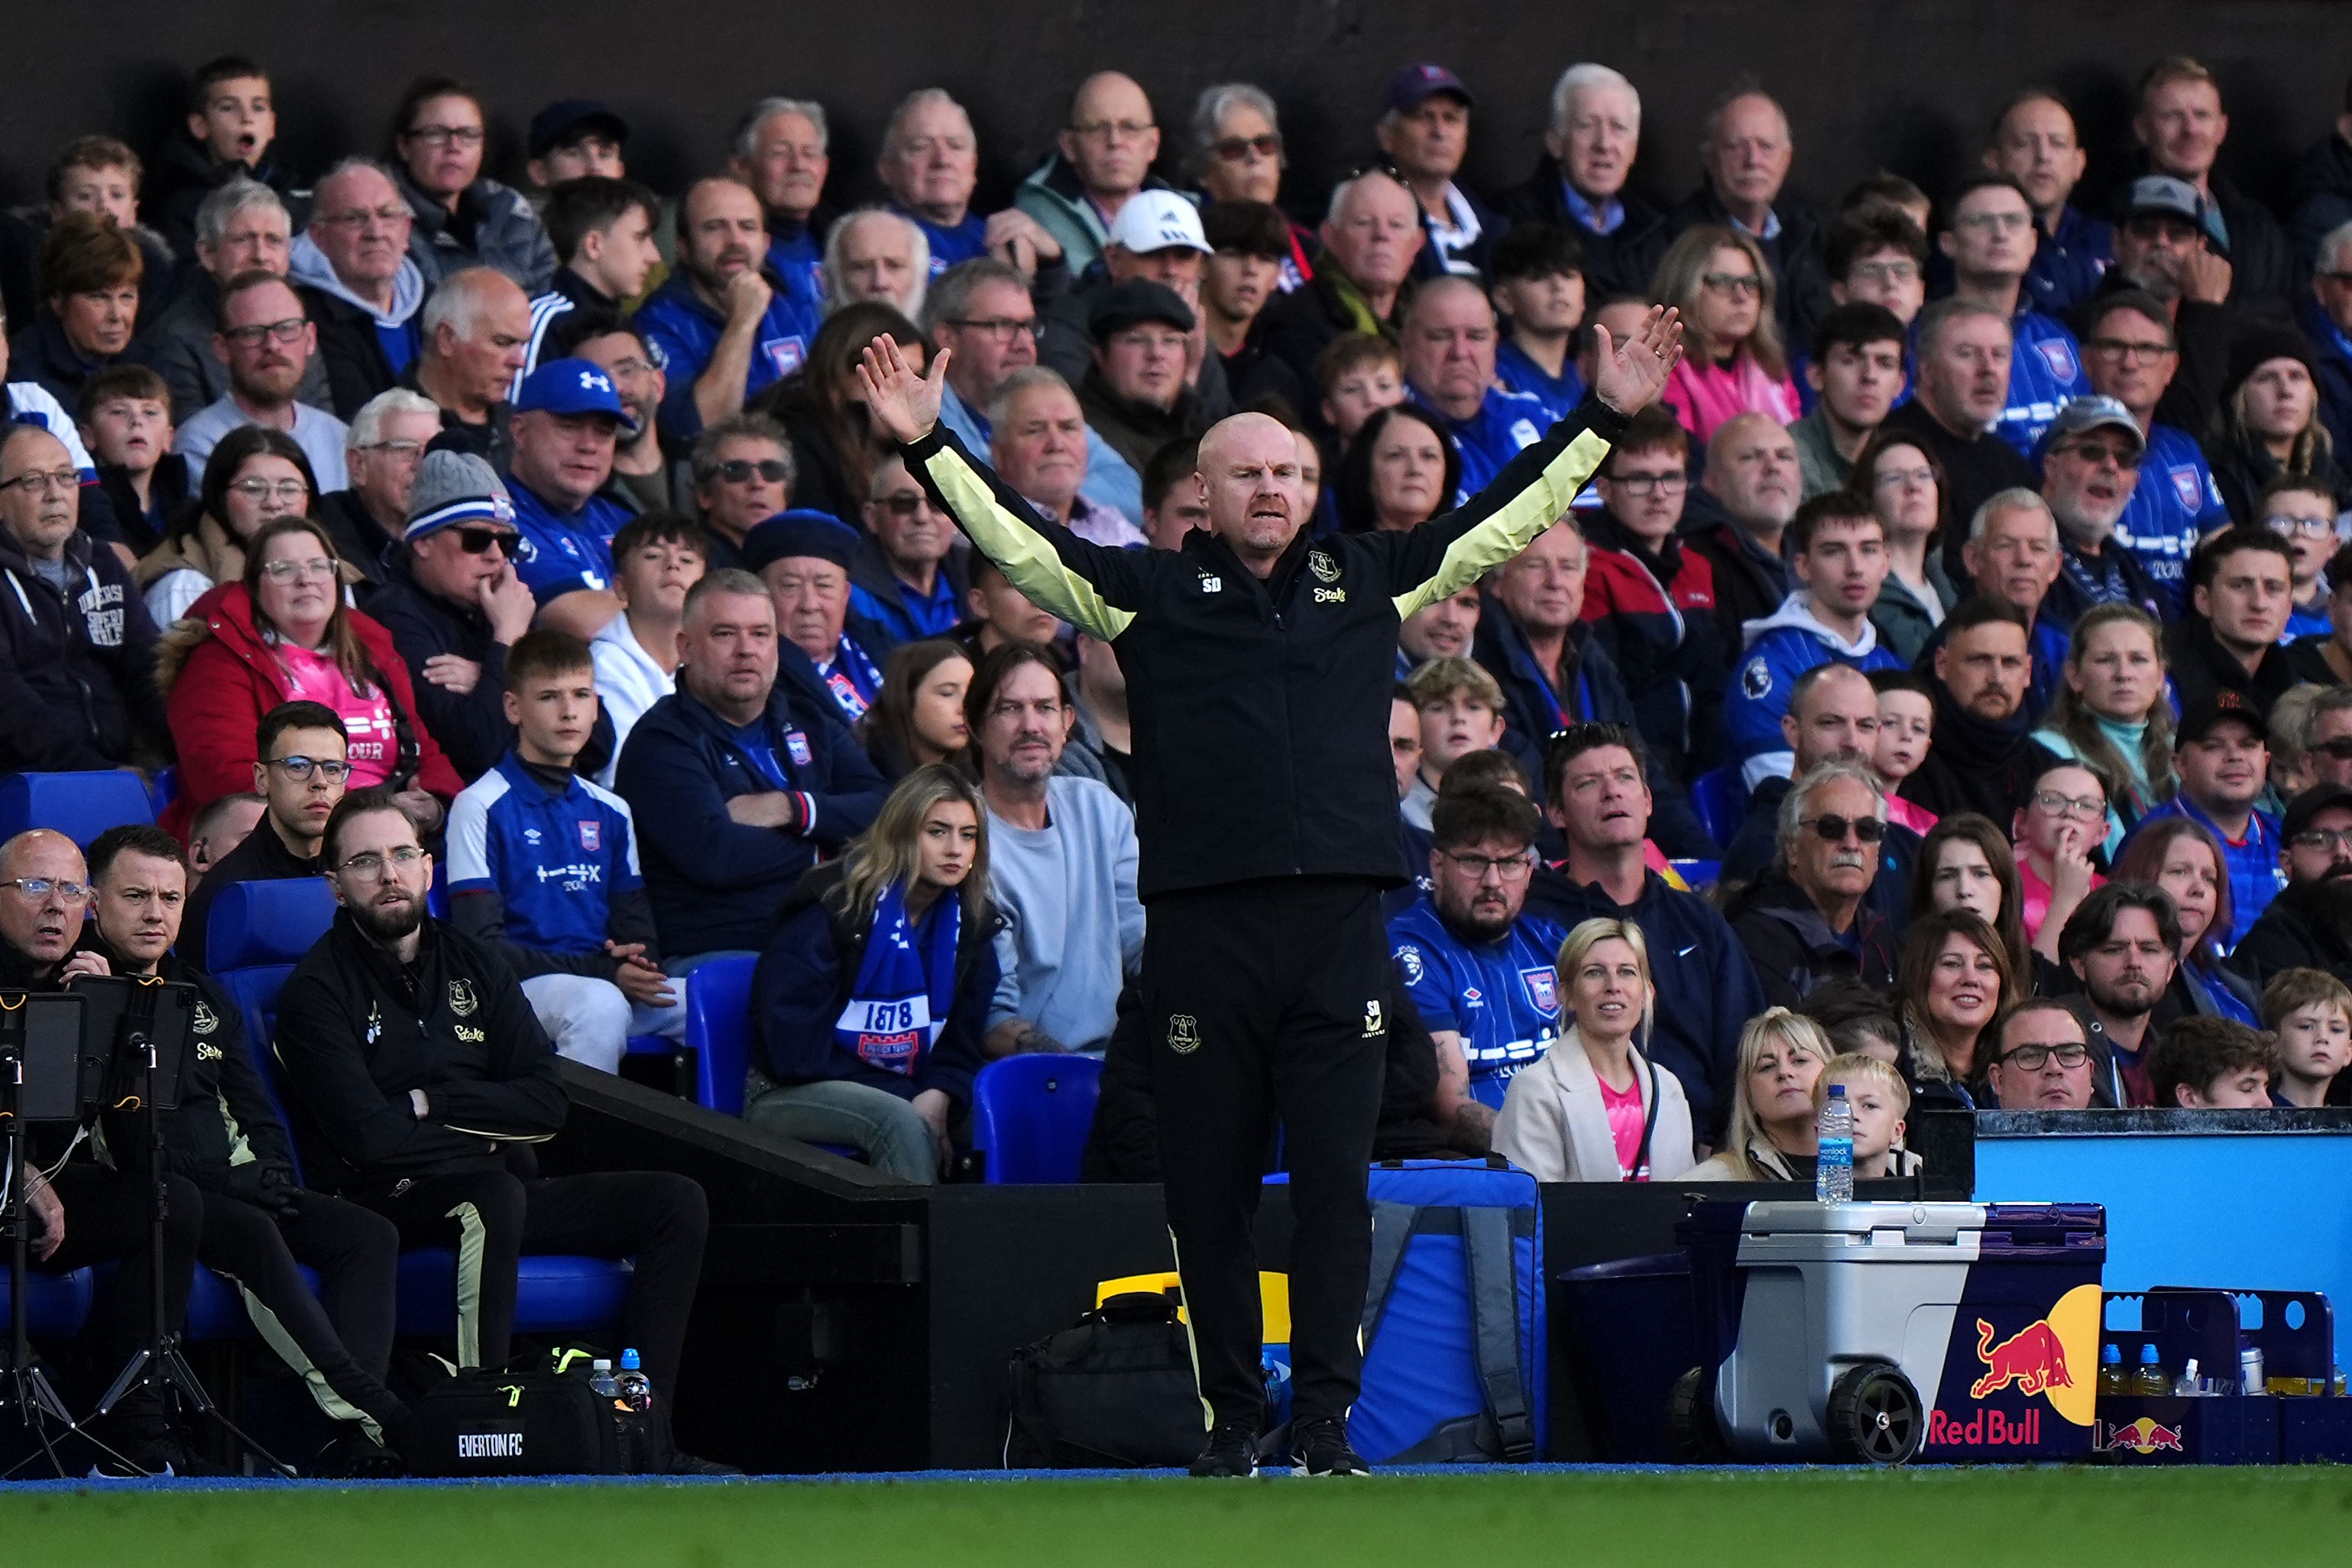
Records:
x=340, y=1349
x=106, y=1212
x=1265, y=1000
x=492, y=1218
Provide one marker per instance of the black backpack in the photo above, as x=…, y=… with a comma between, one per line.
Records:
x=537, y=1418
x=1116, y=1392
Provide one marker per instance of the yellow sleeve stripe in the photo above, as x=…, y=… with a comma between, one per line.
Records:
x=1513, y=527
x=1028, y=558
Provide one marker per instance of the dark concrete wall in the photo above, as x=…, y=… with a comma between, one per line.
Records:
x=1908, y=84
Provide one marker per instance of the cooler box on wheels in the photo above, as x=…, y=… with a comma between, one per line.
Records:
x=1888, y=1332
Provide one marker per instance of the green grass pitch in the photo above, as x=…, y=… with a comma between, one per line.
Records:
x=1996, y=1518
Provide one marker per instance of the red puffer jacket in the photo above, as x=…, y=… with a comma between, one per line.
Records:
x=220, y=677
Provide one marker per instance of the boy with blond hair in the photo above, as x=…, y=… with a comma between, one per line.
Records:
x=2309, y=1013
x=1880, y=1099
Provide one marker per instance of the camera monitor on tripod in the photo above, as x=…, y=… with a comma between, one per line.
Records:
x=43, y=1030
x=124, y=1010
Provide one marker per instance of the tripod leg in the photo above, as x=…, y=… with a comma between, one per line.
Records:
x=183, y=1377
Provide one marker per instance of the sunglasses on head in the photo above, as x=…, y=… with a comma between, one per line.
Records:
x=1833, y=829
x=477, y=541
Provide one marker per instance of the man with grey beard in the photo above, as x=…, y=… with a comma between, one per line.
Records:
x=2090, y=467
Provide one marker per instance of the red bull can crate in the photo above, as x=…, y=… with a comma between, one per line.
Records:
x=2294, y=1331
x=1885, y=1332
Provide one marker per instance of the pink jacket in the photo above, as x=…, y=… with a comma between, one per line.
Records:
x=1704, y=395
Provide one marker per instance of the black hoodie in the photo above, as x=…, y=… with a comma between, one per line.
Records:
x=2307, y=926
x=1983, y=766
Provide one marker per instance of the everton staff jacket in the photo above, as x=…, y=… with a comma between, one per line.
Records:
x=357, y=1029
x=1260, y=708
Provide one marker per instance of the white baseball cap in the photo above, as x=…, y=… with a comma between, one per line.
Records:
x=1158, y=220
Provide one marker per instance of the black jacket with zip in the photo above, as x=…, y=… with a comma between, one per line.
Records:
x=76, y=668
x=357, y=1030
x=1260, y=708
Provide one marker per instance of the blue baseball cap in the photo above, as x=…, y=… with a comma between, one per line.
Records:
x=573, y=386
x=1415, y=84
x=801, y=531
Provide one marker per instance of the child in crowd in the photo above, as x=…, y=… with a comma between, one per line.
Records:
x=2211, y=1064
x=1880, y=1099
x=1358, y=374
x=1906, y=728
x=126, y=423
x=1461, y=709
x=2309, y=1013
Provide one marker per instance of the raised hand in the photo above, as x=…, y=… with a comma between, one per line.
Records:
x=1634, y=372
x=903, y=404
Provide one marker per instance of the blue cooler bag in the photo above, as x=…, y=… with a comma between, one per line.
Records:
x=1454, y=1316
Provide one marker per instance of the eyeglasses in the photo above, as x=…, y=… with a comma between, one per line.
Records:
x=1833, y=829
x=2008, y=223
x=2033, y=1058
x=299, y=768
x=1739, y=284
x=1111, y=129
x=1651, y=484
x=2082, y=805
x=312, y=570
x=42, y=481
x=2141, y=349
x=39, y=888
x=367, y=865
x=447, y=135
x=260, y=489
x=284, y=332
x=999, y=329
x=1509, y=867
x=1233, y=149
x=2309, y=527
x=1888, y=477
x=2330, y=839
x=738, y=470
x=477, y=541
x=629, y=370
x=403, y=450
x=2097, y=452
x=1884, y=272
x=901, y=505
x=359, y=217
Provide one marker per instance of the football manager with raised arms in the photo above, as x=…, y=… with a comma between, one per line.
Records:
x=1259, y=657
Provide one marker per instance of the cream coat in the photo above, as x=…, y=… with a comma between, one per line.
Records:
x=1554, y=1127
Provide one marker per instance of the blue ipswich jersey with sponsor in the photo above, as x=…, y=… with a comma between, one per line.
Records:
x=1780, y=648
x=949, y=247
x=685, y=332
x=555, y=861
x=2046, y=373
x=1502, y=997
x=1506, y=423
x=557, y=555
x=2174, y=504
x=1559, y=394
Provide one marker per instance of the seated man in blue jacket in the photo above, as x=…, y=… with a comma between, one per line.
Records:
x=1596, y=792
x=1477, y=964
x=737, y=780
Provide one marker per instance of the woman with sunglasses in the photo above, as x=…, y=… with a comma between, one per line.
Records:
x=256, y=474
x=1237, y=156
x=2184, y=859
x=1734, y=363
x=283, y=634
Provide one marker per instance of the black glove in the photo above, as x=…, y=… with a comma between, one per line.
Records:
x=267, y=1185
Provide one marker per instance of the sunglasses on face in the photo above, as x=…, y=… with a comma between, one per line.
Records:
x=901, y=505
x=477, y=541
x=1833, y=829
x=740, y=471
x=1233, y=149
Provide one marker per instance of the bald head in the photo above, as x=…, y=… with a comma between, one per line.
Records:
x=1251, y=483
x=1449, y=345
x=1110, y=139
x=42, y=928
x=1832, y=713
x=1374, y=230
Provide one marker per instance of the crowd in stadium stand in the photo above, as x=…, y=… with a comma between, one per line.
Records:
x=1945, y=690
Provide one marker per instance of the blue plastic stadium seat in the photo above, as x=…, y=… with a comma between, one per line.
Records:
x=1721, y=801
x=56, y=1306
x=1030, y=1115
x=79, y=805
x=650, y=1046
x=1698, y=875
x=163, y=791
x=718, y=1031
x=553, y=1294
x=254, y=924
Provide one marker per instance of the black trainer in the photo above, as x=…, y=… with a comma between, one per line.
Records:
x=1319, y=1448
x=1231, y=1450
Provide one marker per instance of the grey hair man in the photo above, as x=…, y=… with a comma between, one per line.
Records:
x=874, y=254
x=1808, y=920
x=382, y=449
x=1590, y=139
x=242, y=227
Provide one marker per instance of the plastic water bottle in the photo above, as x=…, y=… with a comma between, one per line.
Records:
x=2150, y=1379
x=1833, y=1170
x=637, y=1390
x=2111, y=1369
x=601, y=1380
x=2186, y=1385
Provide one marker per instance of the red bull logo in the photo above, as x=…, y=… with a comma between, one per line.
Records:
x=1985, y=1429
x=2033, y=1358
x=2141, y=1436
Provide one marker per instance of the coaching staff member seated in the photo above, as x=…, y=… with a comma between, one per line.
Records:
x=417, y=1079
x=1263, y=974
